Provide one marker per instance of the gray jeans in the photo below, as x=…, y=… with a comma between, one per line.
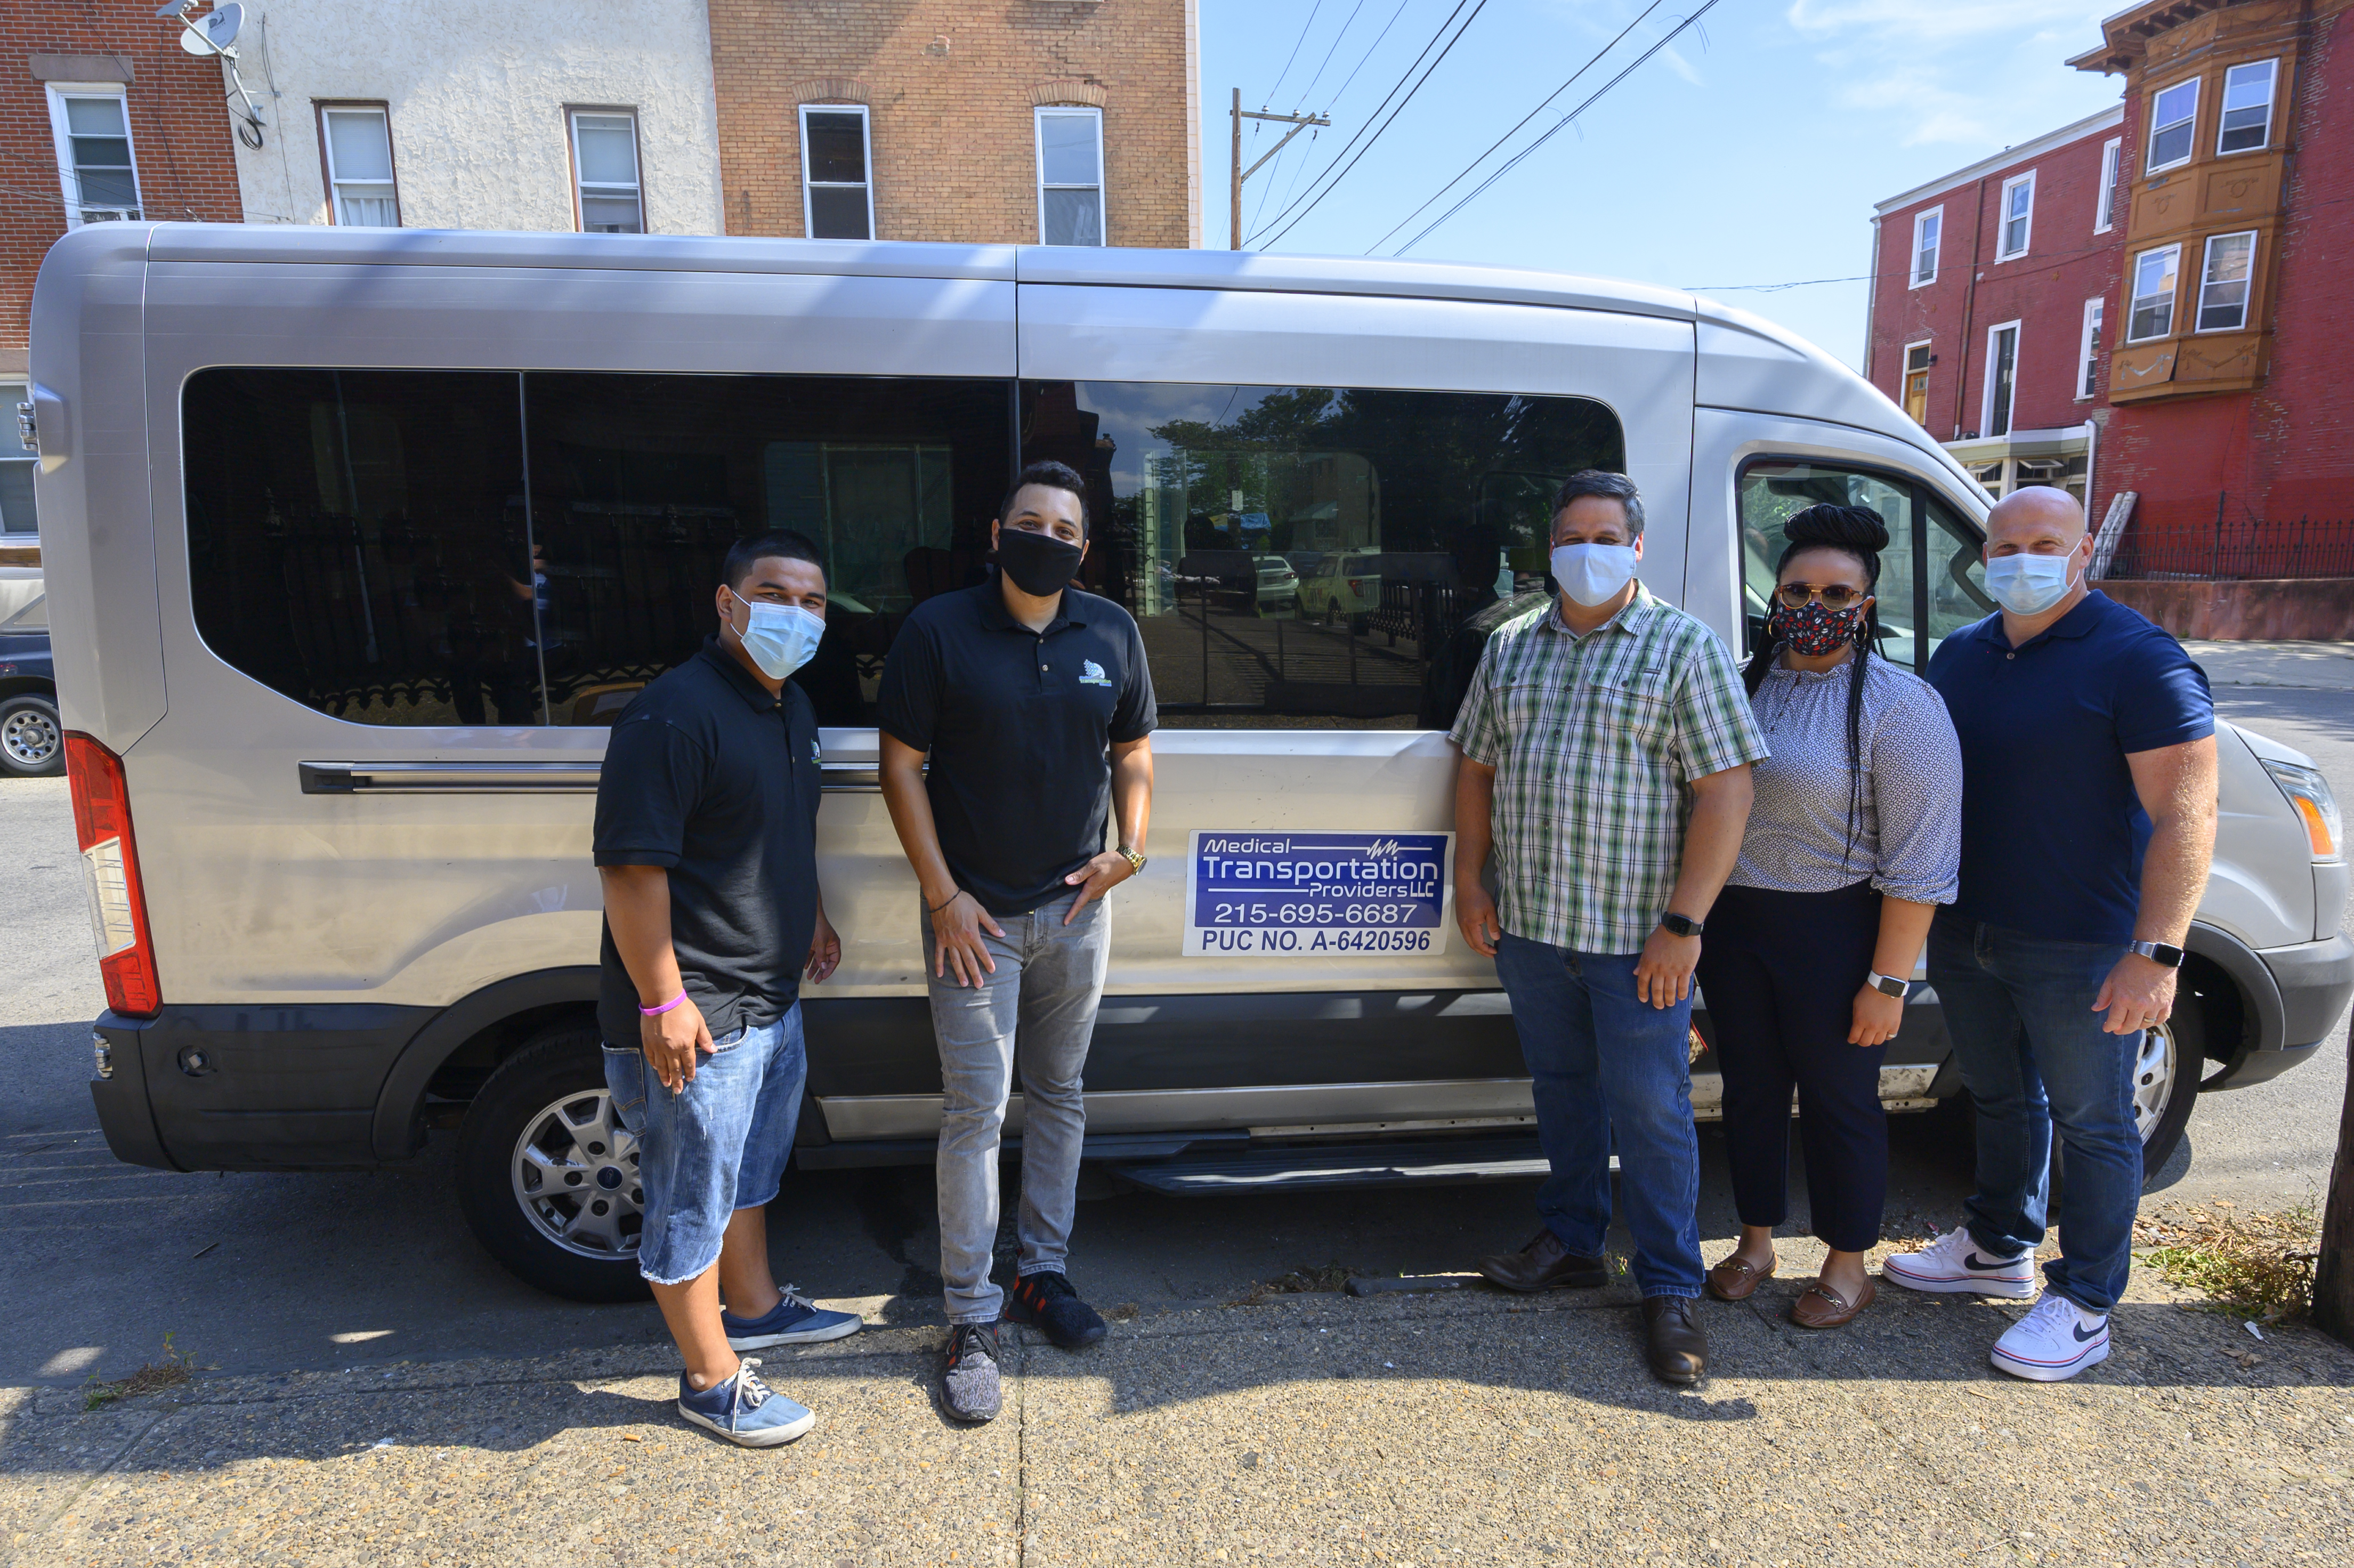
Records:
x=1043, y=998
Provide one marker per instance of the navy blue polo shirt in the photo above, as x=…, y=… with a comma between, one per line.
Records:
x=2052, y=832
x=709, y=777
x=1018, y=724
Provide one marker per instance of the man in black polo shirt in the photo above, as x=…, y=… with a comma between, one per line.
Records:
x=706, y=814
x=1033, y=700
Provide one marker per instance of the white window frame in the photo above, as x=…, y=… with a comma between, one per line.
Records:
x=1038, y=153
x=1921, y=220
x=2105, y=209
x=866, y=142
x=2190, y=147
x=2004, y=218
x=326, y=106
x=1986, y=398
x=636, y=188
x=2088, y=350
x=62, y=143
x=2134, y=297
x=1904, y=374
x=2272, y=102
x=2206, y=260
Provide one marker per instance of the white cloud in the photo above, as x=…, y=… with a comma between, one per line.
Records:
x=1926, y=67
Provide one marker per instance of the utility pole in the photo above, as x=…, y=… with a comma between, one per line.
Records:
x=1297, y=122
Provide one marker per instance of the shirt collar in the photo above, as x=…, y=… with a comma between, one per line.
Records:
x=736, y=675
x=997, y=617
x=1631, y=619
x=2077, y=623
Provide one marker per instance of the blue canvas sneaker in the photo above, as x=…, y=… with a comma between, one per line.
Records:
x=745, y=1409
x=795, y=1320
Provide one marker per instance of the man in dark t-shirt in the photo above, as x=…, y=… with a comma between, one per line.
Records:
x=1034, y=703
x=705, y=844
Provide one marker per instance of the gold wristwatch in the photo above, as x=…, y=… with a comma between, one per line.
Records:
x=1135, y=861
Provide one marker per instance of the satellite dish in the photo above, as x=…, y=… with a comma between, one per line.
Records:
x=216, y=31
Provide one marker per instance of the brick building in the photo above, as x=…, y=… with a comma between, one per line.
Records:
x=102, y=115
x=2151, y=301
x=1056, y=122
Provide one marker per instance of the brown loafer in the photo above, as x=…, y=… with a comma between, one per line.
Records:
x=1821, y=1306
x=1545, y=1265
x=1738, y=1279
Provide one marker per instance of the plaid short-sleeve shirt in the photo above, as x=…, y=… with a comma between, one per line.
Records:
x=1594, y=741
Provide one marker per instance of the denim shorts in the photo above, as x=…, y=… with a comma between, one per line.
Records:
x=717, y=1145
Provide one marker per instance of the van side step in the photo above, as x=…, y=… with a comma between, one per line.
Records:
x=1286, y=1168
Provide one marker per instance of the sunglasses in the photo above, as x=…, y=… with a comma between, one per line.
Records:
x=1835, y=595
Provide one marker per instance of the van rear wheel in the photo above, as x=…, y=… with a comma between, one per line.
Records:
x=32, y=739
x=548, y=1176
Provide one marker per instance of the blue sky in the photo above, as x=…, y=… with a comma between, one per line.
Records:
x=1750, y=150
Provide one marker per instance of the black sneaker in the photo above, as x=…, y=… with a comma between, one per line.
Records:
x=1045, y=1300
x=969, y=1384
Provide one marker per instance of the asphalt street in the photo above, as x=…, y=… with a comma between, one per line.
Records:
x=258, y=1273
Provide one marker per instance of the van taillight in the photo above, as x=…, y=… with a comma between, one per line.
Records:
x=109, y=863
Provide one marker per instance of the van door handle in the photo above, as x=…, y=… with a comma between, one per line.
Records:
x=449, y=777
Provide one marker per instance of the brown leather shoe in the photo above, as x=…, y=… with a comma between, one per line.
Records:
x=1821, y=1306
x=1545, y=1265
x=1737, y=1279
x=1678, y=1349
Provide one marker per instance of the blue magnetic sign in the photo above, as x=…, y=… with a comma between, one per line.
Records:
x=1316, y=894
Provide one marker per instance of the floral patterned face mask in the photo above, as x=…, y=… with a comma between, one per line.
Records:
x=1814, y=628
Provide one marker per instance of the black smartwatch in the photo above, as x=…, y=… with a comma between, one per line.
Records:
x=2158, y=953
x=1679, y=925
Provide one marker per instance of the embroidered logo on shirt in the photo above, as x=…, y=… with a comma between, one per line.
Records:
x=815, y=755
x=1092, y=674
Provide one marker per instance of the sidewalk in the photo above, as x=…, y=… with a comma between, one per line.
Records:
x=1465, y=1428
x=2316, y=666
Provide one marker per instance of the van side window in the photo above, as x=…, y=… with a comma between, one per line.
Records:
x=376, y=545
x=1930, y=580
x=1315, y=557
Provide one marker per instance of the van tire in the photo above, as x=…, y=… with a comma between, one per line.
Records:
x=550, y=1083
x=32, y=738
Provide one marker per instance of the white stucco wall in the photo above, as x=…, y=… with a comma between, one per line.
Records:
x=477, y=91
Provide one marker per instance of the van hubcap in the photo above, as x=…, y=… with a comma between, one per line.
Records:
x=2153, y=1071
x=30, y=737
x=575, y=1176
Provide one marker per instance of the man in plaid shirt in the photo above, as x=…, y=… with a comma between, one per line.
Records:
x=1606, y=745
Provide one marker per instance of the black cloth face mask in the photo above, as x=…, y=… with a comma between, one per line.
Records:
x=1039, y=564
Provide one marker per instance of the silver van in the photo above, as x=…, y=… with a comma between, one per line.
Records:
x=357, y=539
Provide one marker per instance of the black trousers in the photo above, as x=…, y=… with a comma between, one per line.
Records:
x=1779, y=972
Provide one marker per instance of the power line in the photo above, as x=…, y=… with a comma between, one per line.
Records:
x=1336, y=176
x=1515, y=131
x=1516, y=159
x=1376, y=44
x=1329, y=54
x=1304, y=27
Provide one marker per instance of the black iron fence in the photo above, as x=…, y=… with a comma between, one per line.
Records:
x=2231, y=548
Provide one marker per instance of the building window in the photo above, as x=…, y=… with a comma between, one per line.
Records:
x=2018, y=216
x=1916, y=382
x=356, y=140
x=2172, y=114
x=2247, y=107
x=95, y=168
x=2104, y=216
x=2088, y=352
x=837, y=195
x=1070, y=176
x=1926, y=227
x=2224, y=281
x=2002, y=376
x=605, y=171
x=16, y=464
x=2153, y=294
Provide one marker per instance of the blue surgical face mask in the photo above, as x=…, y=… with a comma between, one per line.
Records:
x=2030, y=584
x=1592, y=574
x=780, y=638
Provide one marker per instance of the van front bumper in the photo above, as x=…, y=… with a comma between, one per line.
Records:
x=2315, y=980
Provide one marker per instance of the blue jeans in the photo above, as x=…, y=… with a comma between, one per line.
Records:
x=2033, y=1054
x=717, y=1145
x=1604, y=1061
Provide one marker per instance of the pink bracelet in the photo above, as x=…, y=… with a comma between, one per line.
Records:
x=665, y=1007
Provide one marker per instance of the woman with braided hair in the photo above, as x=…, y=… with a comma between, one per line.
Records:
x=1853, y=841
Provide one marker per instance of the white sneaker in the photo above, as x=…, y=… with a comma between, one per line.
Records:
x=2054, y=1342
x=1953, y=1262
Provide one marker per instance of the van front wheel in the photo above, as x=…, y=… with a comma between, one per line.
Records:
x=548, y=1176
